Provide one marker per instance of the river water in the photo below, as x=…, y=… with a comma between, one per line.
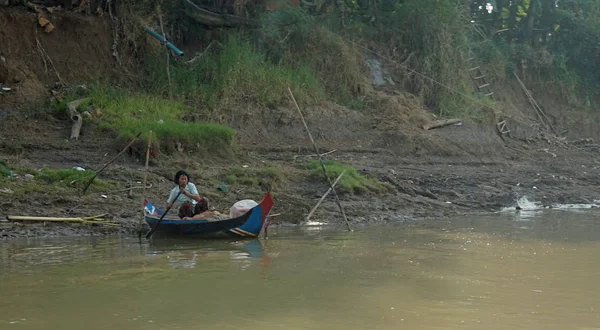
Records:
x=532, y=270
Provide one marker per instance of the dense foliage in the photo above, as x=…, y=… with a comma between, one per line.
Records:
x=318, y=48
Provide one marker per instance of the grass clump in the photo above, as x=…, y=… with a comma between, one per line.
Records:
x=67, y=177
x=269, y=178
x=4, y=170
x=351, y=181
x=130, y=113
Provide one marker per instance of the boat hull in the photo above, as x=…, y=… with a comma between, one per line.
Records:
x=247, y=225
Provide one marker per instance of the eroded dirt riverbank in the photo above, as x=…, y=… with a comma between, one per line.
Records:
x=423, y=183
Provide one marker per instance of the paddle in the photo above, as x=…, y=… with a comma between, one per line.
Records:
x=161, y=217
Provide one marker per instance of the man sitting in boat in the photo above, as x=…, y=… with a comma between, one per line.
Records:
x=192, y=206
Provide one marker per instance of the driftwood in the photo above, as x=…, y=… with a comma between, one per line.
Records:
x=441, y=123
x=337, y=199
x=76, y=117
x=324, y=195
x=206, y=17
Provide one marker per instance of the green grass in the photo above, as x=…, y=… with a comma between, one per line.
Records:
x=351, y=181
x=130, y=113
x=58, y=107
x=4, y=170
x=269, y=178
x=234, y=73
x=67, y=177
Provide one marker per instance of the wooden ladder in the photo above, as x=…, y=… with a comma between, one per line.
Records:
x=483, y=86
x=478, y=78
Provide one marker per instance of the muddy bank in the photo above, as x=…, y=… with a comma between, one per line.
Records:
x=424, y=185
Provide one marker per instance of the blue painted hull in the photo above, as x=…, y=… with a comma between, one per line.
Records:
x=246, y=225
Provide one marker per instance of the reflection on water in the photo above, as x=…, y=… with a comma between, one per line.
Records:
x=535, y=270
x=184, y=253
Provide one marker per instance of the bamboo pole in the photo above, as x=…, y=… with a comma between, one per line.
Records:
x=337, y=199
x=88, y=220
x=32, y=218
x=145, y=179
x=112, y=160
x=325, y=195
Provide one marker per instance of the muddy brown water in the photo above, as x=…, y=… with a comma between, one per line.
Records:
x=534, y=270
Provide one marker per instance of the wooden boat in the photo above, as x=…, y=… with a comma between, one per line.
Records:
x=247, y=225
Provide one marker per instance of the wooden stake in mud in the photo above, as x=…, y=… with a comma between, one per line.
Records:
x=324, y=195
x=337, y=199
x=145, y=178
x=112, y=160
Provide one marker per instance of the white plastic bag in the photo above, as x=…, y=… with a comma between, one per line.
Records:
x=241, y=207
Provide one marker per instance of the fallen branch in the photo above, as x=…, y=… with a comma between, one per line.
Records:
x=441, y=123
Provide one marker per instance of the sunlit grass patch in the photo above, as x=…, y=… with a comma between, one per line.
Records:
x=130, y=113
x=351, y=181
